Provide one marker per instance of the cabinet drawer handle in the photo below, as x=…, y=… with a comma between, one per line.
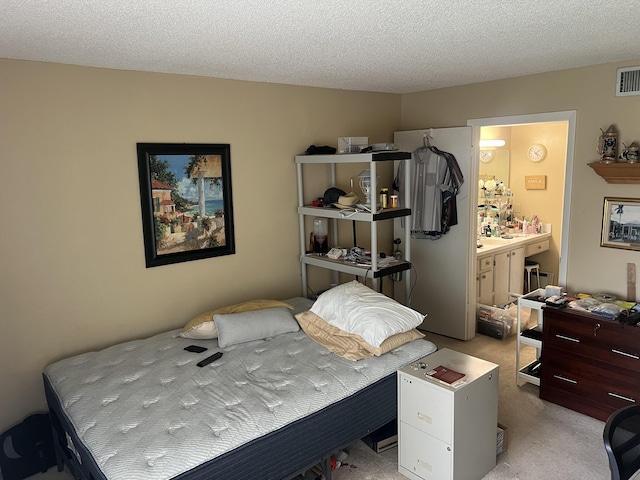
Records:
x=622, y=397
x=565, y=379
x=424, y=418
x=564, y=337
x=631, y=355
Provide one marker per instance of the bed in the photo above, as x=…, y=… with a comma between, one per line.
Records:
x=270, y=408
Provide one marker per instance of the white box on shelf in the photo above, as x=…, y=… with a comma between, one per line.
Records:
x=352, y=144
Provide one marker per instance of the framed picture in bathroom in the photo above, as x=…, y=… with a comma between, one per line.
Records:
x=621, y=223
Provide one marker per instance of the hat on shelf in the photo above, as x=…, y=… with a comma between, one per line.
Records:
x=332, y=195
x=347, y=201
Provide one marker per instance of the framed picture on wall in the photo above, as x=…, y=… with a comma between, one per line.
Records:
x=621, y=223
x=185, y=193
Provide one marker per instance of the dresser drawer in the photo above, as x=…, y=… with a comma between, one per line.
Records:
x=426, y=407
x=537, y=247
x=596, y=339
x=592, y=383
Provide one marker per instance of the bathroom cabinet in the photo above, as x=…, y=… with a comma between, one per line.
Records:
x=501, y=261
x=499, y=275
x=508, y=275
x=484, y=280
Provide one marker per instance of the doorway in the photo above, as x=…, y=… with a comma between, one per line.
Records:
x=561, y=215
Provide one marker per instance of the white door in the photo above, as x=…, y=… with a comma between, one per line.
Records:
x=442, y=271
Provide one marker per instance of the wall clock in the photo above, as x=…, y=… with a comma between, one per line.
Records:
x=486, y=155
x=537, y=152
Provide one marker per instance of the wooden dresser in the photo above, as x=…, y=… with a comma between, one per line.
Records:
x=589, y=364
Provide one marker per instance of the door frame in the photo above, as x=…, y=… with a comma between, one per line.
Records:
x=516, y=120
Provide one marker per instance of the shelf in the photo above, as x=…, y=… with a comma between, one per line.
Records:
x=532, y=299
x=354, y=157
x=527, y=377
x=618, y=172
x=378, y=267
x=328, y=212
x=531, y=342
x=355, y=269
x=535, y=301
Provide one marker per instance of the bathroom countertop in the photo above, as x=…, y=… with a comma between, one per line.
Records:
x=493, y=245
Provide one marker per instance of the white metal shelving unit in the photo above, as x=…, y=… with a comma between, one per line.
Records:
x=532, y=301
x=373, y=271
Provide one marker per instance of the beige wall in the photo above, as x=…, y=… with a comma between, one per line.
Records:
x=590, y=91
x=73, y=272
x=73, y=275
x=547, y=203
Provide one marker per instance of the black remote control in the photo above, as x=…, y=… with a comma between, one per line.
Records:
x=195, y=349
x=209, y=359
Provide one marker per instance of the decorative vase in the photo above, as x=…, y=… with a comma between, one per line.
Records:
x=608, y=145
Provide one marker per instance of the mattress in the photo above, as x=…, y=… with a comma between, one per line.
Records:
x=144, y=410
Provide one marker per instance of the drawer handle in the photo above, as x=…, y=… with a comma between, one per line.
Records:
x=424, y=418
x=622, y=397
x=631, y=355
x=565, y=379
x=564, y=337
x=424, y=465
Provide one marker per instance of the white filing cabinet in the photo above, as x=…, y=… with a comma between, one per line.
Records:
x=447, y=432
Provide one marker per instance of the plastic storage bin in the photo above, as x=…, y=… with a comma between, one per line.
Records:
x=499, y=322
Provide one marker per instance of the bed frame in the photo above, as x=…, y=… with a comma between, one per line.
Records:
x=282, y=454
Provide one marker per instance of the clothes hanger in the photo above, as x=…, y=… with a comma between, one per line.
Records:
x=426, y=139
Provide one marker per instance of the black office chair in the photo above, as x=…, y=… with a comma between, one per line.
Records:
x=622, y=441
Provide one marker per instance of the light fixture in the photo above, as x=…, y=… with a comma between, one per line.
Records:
x=492, y=143
x=364, y=179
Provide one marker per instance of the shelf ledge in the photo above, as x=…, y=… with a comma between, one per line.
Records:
x=618, y=172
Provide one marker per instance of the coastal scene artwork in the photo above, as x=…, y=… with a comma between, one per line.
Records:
x=185, y=192
x=621, y=223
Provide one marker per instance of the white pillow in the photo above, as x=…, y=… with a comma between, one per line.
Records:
x=243, y=327
x=355, y=308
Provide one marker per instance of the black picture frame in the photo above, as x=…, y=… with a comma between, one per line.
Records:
x=177, y=182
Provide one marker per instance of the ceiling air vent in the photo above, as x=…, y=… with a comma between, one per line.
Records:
x=628, y=82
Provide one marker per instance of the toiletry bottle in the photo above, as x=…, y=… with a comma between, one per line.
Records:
x=384, y=198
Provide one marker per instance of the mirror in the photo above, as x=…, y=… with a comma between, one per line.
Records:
x=494, y=172
x=495, y=163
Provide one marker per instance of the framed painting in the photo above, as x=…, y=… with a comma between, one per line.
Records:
x=185, y=193
x=621, y=223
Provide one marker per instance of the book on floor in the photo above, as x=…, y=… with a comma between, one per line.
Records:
x=384, y=438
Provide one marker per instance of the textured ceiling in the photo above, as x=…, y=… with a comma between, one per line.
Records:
x=397, y=46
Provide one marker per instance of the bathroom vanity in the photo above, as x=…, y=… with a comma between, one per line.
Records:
x=500, y=265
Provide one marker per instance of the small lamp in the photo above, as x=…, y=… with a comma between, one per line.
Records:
x=364, y=178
